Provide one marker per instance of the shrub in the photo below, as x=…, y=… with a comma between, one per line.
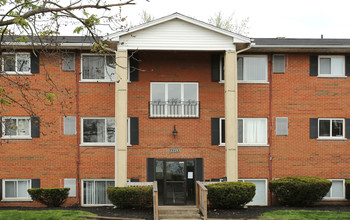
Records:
x=52, y=197
x=230, y=194
x=300, y=191
x=347, y=189
x=131, y=197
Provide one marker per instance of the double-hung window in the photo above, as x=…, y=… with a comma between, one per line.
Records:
x=16, y=127
x=331, y=128
x=16, y=63
x=174, y=100
x=251, y=131
x=95, y=192
x=337, y=190
x=98, y=68
x=331, y=66
x=16, y=189
x=252, y=69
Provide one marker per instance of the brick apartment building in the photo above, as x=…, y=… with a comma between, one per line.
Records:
x=285, y=103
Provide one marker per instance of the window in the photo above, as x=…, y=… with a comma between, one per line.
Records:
x=222, y=68
x=101, y=131
x=251, y=131
x=72, y=184
x=252, y=69
x=98, y=68
x=331, y=128
x=68, y=61
x=331, y=66
x=16, y=189
x=16, y=127
x=16, y=63
x=337, y=190
x=95, y=192
x=174, y=100
x=281, y=126
x=260, y=197
x=69, y=125
x=278, y=64
x=98, y=131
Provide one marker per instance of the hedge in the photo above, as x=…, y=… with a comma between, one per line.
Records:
x=347, y=189
x=51, y=197
x=300, y=191
x=131, y=197
x=230, y=194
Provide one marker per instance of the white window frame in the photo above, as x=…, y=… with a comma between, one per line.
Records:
x=82, y=143
x=29, y=136
x=254, y=81
x=82, y=191
x=273, y=63
x=182, y=98
x=106, y=77
x=331, y=191
x=16, y=72
x=330, y=137
x=265, y=202
x=243, y=144
x=330, y=57
x=29, y=184
x=222, y=67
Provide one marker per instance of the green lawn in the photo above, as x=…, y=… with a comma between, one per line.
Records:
x=44, y=214
x=303, y=214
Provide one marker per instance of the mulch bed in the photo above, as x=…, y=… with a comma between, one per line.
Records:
x=252, y=212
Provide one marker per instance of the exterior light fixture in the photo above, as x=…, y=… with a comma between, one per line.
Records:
x=175, y=131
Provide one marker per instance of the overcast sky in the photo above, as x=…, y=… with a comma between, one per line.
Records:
x=267, y=18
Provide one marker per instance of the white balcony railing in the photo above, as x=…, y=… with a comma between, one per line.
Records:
x=174, y=109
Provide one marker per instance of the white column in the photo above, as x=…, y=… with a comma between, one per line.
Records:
x=231, y=102
x=121, y=111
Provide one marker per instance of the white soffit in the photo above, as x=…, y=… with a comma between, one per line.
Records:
x=177, y=32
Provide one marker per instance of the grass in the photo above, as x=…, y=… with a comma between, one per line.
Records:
x=303, y=214
x=44, y=214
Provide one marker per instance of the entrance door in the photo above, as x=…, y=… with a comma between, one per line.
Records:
x=176, y=180
x=174, y=183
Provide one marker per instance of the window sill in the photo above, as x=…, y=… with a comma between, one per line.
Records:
x=252, y=82
x=97, y=145
x=332, y=139
x=17, y=200
x=17, y=73
x=331, y=76
x=248, y=145
x=16, y=138
x=96, y=205
x=334, y=199
x=96, y=81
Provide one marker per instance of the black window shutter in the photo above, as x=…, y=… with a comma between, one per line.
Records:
x=0, y=188
x=134, y=180
x=134, y=66
x=35, y=183
x=215, y=132
x=313, y=65
x=134, y=131
x=313, y=128
x=215, y=68
x=199, y=169
x=35, y=126
x=347, y=127
x=34, y=63
x=347, y=66
x=150, y=169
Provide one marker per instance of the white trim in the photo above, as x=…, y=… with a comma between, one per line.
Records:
x=281, y=46
x=107, y=78
x=265, y=180
x=16, y=72
x=20, y=137
x=82, y=192
x=222, y=67
x=330, y=57
x=220, y=132
x=266, y=80
x=236, y=37
x=330, y=130
x=331, y=191
x=29, y=186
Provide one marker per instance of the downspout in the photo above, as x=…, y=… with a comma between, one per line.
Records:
x=78, y=135
x=270, y=129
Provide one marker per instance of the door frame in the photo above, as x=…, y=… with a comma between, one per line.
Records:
x=184, y=181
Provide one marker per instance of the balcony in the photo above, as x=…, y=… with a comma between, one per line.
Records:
x=174, y=109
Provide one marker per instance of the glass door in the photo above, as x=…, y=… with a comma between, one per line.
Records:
x=175, y=183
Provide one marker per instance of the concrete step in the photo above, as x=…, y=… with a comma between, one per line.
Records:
x=179, y=216
x=178, y=219
x=179, y=212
